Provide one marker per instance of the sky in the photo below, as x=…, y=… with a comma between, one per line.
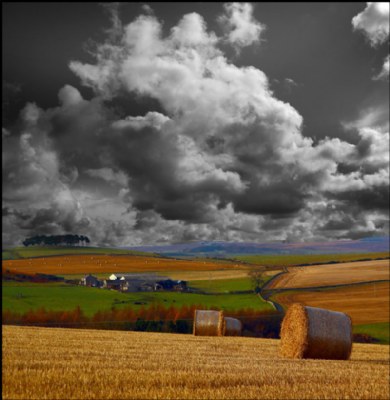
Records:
x=156, y=123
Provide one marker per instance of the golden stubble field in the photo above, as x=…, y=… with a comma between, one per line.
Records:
x=367, y=303
x=52, y=363
x=98, y=264
x=332, y=274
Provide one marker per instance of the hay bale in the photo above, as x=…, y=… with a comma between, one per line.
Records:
x=233, y=327
x=208, y=323
x=309, y=332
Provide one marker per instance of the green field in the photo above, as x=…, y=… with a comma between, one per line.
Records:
x=380, y=331
x=40, y=251
x=21, y=297
x=226, y=285
x=223, y=285
x=299, y=259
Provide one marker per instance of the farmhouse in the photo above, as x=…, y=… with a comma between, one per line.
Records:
x=137, y=285
x=112, y=284
x=90, y=280
x=169, y=284
x=142, y=283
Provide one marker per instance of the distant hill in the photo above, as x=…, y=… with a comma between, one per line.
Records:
x=47, y=251
x=225, y=249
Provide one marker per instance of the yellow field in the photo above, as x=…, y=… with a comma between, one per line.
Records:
x=48, y=363
x=227, y=273
x=112, y=263
x=332, y=274
x=365, y=304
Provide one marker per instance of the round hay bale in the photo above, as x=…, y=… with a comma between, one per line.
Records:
x=309, y=332
x=208, y=323
x=233, y=327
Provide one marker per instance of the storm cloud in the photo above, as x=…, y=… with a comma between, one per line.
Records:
x=217, y=157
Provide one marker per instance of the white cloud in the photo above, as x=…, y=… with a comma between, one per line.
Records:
x=384, y=74
x=191, y=31
x=152, y=118
x=241, y=27
x=147, y=9
x=374, y=22
x=69, y=96
x=375, y=116
x=30, y=165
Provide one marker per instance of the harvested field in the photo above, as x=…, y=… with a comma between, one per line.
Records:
x=286, y=260
x=64, y=265
x=332, y=274
x=85, y=364
x=231, y=273
x=367, y=303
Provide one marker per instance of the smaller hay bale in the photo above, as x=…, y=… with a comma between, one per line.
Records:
x=309, y=332
x=233, y=327
x=208, y=323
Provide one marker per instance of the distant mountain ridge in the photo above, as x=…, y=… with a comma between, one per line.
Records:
x=221, y=249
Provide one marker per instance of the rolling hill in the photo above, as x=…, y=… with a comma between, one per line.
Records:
x=227, y=249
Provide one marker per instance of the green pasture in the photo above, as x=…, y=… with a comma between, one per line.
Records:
x=42, y=251
x=21, y=297
x=380, y=331
x=222, y=285
x=9, y=255
x=226, y=285
x=298, y=259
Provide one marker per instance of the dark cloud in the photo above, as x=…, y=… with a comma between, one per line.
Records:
x=276, y=198
x=371, y=198
x=178, y=143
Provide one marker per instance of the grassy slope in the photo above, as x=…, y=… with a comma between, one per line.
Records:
x=41, y=251
x=22, y=297
x=223, y=285
x=297, y=259
x=228, y=285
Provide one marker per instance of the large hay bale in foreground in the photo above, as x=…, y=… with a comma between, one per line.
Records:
x=208, y=323
x=309, y=332
x=232, y=327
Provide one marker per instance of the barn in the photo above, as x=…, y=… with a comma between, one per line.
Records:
x=90, y=280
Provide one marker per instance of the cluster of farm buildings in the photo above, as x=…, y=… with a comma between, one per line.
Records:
x=135, y=283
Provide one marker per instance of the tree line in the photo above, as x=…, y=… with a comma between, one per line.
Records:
x=55, y=240
x=154, y=318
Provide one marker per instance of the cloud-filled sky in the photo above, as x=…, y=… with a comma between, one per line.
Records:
x=157, y=123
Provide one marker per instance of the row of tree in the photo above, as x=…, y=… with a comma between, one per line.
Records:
x=55, y=240
x=155, y=318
